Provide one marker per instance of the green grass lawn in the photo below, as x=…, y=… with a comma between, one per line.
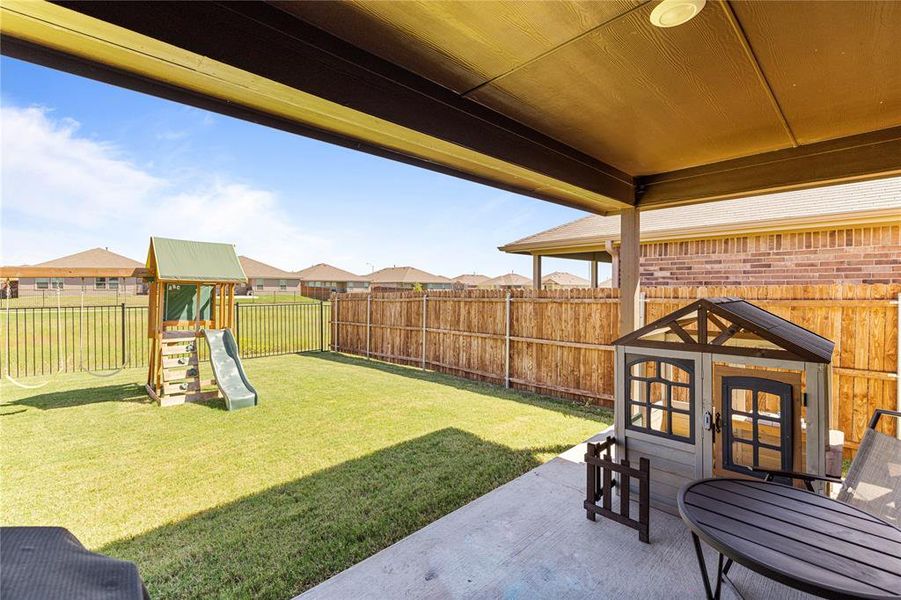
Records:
x=342, y=458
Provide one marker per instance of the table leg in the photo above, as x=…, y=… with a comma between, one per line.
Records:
x=722, y=570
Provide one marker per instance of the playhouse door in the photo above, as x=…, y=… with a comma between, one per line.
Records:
x=756, y=422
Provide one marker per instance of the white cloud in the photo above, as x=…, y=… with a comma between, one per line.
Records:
x=62, y=193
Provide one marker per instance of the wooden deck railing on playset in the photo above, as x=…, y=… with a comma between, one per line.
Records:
x=600, y=484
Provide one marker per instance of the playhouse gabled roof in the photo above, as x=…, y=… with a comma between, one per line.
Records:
x=194, y=262
x=731, y=326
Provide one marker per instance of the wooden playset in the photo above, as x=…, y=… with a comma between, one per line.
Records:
x=192, y=289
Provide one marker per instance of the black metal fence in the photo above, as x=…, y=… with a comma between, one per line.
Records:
x=43, y=341
x=283, y=328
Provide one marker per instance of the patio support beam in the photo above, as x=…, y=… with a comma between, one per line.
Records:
x=614, y=263
x=536, y=271
x=629, y=273
x=861, y=157
x=593, y=274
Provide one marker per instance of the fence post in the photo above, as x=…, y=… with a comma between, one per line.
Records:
x=7, y=334
x=334, y=317
x=368, y=321
x=238, y=326
x=425, y=298
x=321, y=326
x=641, y=310
x=122, y=311
x=507, y=341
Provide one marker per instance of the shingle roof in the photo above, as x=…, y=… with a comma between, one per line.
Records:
x=838, y=203
x=471, y=279
x=508, y=280
x=258, y=270
x=566, y=279
x=405, y=275
x=324, y=272
x=95, y=257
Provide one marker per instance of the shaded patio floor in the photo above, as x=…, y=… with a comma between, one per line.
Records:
x=530, y=539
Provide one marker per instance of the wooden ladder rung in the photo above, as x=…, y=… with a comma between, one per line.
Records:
x=178, y=336
x=170, y=375
x=181, y=387
x=190, y=397
x=179, y=349
x=183, y=361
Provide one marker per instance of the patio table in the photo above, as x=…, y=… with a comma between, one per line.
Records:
x=793, y=536
x=50, y=562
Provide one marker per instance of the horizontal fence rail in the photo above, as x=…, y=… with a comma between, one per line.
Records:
x=558, y=342
x=44, y=341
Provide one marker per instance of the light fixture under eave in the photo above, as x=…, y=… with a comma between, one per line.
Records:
x=671, y=13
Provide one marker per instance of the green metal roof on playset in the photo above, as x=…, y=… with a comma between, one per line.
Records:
x=190, y=261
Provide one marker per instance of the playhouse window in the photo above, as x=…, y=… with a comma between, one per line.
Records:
x=658, y=395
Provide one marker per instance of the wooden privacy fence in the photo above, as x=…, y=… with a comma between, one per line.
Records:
x=548, y=341
x=558, y=342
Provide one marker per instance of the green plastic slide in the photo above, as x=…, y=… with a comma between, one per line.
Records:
x=228, y=370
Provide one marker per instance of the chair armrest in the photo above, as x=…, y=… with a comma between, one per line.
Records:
x=879, y=412
x=807, y=478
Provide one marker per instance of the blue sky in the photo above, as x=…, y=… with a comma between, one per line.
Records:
x=86, y=164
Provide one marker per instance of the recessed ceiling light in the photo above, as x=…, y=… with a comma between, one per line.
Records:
x=670, y=13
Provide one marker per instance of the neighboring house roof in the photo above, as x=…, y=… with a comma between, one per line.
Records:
x=324, y=272
x=93, y=258
x=406, y=275
x=201, y=262
x=259, y=270
x=509, y=280
x=846, y=204
x=565, y=279
x=471, y=279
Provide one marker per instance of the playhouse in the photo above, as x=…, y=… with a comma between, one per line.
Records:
x=192, y=296
x=718, y=388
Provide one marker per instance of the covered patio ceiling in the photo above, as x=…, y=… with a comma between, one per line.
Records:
x=586, y=104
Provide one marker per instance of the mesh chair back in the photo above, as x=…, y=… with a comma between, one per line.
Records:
x=873, y=480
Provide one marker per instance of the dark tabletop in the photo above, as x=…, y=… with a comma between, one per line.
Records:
x=804, y=540
x=47, y=563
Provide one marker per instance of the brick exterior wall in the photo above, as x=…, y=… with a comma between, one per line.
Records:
x=854, y=255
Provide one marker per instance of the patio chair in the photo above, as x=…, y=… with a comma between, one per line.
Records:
x=872, y=483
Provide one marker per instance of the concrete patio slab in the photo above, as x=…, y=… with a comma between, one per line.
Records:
x=530, y=539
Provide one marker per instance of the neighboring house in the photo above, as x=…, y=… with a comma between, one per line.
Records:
x=320, y=280
x=407, y=278
x=469, y=281
x=510, y=281
x=561, y=280
x=102, y=283
x=263, y=279
x=849, y=233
